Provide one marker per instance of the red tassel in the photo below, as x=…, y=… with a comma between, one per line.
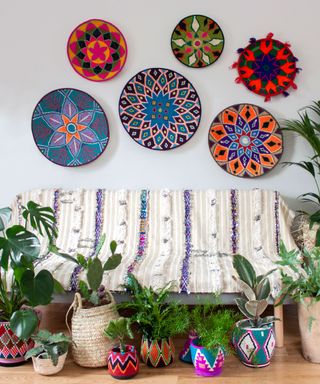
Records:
x=269, y=35
x=294, y=86
x=238, y=80
x=267, y=98
x=287, y=45
x=234, y=65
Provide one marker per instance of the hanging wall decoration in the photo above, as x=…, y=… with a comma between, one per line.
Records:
x=97, y=50
x=197, y=41
x=245, y=140
x=267, y=67
x=160, y=109
x=70, y=127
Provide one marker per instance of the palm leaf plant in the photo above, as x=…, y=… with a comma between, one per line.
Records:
x=309, y=129
x=119, y=330
x=21, y=288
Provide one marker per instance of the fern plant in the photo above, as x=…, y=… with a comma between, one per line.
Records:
x=255, y=292
x=119, y=330
x=156, y=318
x=309, y=129
x=49, y=346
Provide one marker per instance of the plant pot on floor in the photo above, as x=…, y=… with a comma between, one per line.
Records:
x=45, y=366
x=185, y=354
x=12, y=349
x=123, y=365
x=309, y=324
x=157, y=353
x=90, y=347
x=254, y=346
x=205, y=361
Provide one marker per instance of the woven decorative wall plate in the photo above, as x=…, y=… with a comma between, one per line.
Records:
x=70, y=127
x=97, y=50
x=267, y=67
x=197, y=41
x=160, y=109
x=245, y=140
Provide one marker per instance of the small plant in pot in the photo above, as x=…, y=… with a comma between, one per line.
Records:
x=300, y=275
x=157, y=320
x=123, y=361
x=49, y=353
x=21, y=288
x=213, y=327
x=93, y=307
x=253, y=337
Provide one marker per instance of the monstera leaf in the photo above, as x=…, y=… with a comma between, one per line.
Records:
x=23, y=323
x=23, y=242
x=5, y=216
x=37, y=289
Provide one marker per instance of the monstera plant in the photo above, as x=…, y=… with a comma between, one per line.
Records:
x=21, y=288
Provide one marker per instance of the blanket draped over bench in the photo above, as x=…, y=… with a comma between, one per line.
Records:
x=185, y=236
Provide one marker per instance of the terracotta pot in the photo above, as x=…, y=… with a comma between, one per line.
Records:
x=309, y=324
x=157, y=353
x=185, y=354
x=12, y=349
x=123, y=365
x=206, y=362
x=45, y=366
x=254, y=346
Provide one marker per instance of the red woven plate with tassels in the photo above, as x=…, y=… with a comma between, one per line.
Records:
x=267, y=67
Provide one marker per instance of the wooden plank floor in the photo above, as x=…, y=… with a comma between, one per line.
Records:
x=287, y=366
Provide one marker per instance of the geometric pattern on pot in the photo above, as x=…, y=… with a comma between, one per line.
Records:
x=267, y=67
x=70, y=127
x=248, y=345
x=269, y=345
x=160, y=109
x=197, y=41
x=245, y=140
x=97, y=50
x=157, y=353
x=123, y=365
x=208, y=363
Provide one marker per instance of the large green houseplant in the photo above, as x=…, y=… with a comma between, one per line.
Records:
x=157, y=320
x=300, y=274
x=21, y=288
x=254, y=301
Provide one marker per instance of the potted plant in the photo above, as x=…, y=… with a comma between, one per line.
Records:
x=303, y=285
x=213, y=327
x=308, y=128
x=123, y=361
x=253, y=337
x=50, y=352
x=157, y=320
x=21, y=288
x=93, y=307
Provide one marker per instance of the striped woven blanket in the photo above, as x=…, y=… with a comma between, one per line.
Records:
x=185, y=236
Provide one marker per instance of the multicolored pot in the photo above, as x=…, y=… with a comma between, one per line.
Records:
x=185, y=354
x=12, y=349
x=254, y=346
x=206, y=363
x=123, y=365
x=157, y=353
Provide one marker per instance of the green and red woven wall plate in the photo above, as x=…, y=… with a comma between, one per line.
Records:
x=267, y=67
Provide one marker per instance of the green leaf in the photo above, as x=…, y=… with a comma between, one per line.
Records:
x=95, y=273
x=94, y=298
x=241, y=305
x=100, y=244
x=18, y=273
x=314, y=218
x=4, y=256
x=23, y=242
x=244, y=270
x=267, y=320
x=256, y=307
x=112, y=262
x=37, y=289
x=84, y=289
x=33, y=352
x=263, y=289
x=317, y=244
x=5, y=216
x=23, y=323
x=54, y=249
x=58, y=287
x=113, y=246
x=82, y=260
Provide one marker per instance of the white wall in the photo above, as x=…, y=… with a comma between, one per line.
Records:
x=33, y=61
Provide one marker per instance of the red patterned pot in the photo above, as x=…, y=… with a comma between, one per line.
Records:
x=185, y=354
x=123, y=365
x=157, y=353
x=12, y=349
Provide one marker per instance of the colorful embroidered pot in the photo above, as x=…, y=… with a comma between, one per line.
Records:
x=206, y=363
x=185, y=354
x=12, y=349
x=254, y=346
x=157, y=353
x=123, y=365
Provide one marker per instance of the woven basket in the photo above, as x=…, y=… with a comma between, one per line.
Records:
x=90, y=347
x=301, y=232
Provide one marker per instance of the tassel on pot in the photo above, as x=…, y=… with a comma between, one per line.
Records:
x=285, y=93
x=234, y=65
x=240, y=50
x=252, y=40
x=269, y=36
